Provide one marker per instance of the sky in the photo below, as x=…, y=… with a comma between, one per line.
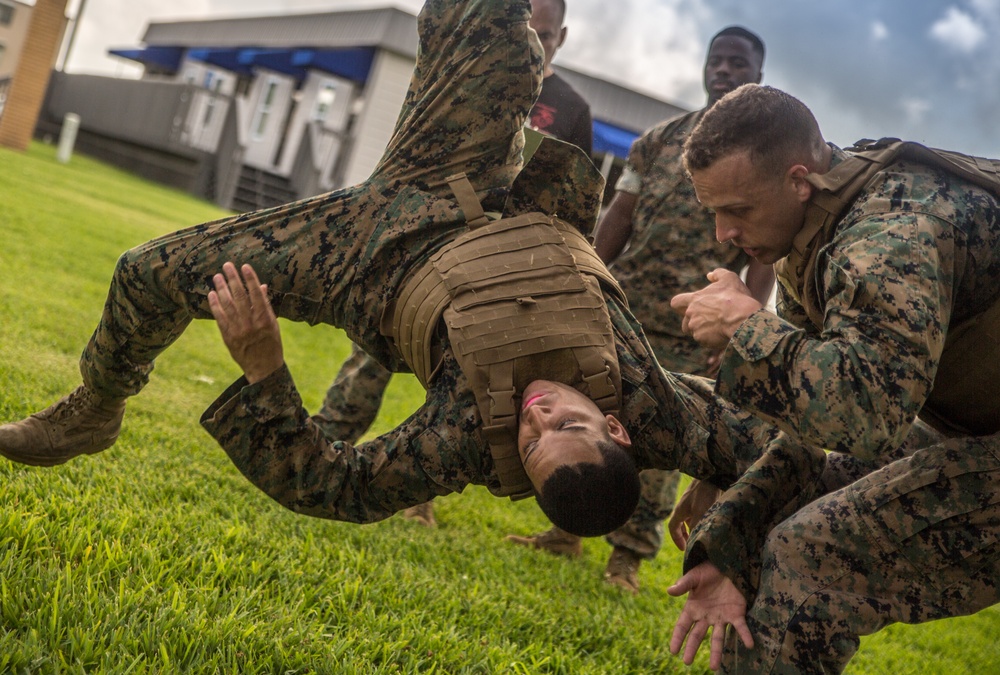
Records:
x=921, y=70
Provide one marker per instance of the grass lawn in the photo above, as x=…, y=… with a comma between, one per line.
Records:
x=156, y=556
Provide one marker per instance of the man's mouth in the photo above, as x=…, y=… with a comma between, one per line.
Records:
x=529, y=401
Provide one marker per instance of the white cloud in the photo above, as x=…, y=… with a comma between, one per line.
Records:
x=879, y=31
x=915, y=109
x=958, y=30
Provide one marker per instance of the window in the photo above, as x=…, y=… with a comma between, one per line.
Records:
x=212, y=101
x=324, y=101
x=264, y=109
x=6, y=14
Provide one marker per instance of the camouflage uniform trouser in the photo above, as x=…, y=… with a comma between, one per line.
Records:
x=337, y=257
x=913, y=541
x=353, y=400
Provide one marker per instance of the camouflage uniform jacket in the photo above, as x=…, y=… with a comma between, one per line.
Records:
x=675, y=423
x=673, y=243
x=918, y=251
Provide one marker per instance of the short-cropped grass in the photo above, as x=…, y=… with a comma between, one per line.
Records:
x=156, y=556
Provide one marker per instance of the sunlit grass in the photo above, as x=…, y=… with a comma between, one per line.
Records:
x=156, y=556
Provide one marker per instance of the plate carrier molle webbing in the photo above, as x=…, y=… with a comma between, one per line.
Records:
x=965, y=397
x=522, y=301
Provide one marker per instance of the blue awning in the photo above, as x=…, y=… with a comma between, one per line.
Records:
x=609, y=138
x=167, y=58
x=352, y=63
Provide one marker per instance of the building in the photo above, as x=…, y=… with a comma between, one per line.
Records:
x=15, y=18
x=257, y=111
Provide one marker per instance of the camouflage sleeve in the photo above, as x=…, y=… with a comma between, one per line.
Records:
x=857, y=385
x=272, y=440
x=691, y=429
x=732, y=533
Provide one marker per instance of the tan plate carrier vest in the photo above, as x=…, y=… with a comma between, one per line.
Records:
x=522, y=301
x=966, y=396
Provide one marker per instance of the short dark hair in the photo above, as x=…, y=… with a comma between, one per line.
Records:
x=589, y=499
x=772, y=126
x=740, y=31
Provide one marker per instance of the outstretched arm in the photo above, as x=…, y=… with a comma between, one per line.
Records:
x=262, y=425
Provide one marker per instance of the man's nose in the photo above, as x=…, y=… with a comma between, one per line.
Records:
x=724, y=231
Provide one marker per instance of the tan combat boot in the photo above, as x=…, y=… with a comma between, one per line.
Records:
x=421, y=513
x=555, y=541
x=81, y=423
x=623, y=569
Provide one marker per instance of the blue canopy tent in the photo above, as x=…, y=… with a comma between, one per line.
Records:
x=609, y=138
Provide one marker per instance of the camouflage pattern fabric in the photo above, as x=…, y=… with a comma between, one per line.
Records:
x=352, y=402
x=671, y=250
x=335, y=258
x=672, y=246
x=338, y=258
x=916, y=537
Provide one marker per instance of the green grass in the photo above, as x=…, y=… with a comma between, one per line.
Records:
x=156, y=556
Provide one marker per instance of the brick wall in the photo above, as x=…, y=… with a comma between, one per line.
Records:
x=27, y=90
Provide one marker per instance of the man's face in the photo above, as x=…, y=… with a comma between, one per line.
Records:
x=731, y=62
x=757, y=212
x=558, y=425
x=546, y=20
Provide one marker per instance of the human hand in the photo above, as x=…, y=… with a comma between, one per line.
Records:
x=712, y=314
x=714, y=602
x=247, y=322
x=692, y=505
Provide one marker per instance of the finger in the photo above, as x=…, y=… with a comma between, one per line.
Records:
x=680, y=632
x=694, y=640
x=743, y=630
x=236, y=289
x=257, y=292
x=222, y=292
x=682, y=585
x=679, y=303
x=217, y=311
x=717, y=646
x=679, y=535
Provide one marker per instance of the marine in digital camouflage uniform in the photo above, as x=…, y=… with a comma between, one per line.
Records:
x=338, y=258
x=671, y=246
x=906, y=526
x=353, y=400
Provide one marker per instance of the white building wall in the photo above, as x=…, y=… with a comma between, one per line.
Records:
x=384, y=95
x=262, y=143
x=306, y=112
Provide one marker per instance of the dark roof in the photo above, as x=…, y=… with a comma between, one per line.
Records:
x=393, y=29
x=388, y=28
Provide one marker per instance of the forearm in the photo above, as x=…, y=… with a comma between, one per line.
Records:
x=731, y=535
x=615, y=228
x=272, y=440
x=844, y=392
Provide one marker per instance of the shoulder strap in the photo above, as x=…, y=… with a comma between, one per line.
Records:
x=839, y=187
x=465, y=194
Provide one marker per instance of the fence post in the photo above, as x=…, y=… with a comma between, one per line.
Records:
x=67, y=137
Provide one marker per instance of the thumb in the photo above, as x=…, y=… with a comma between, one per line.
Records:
x=680, y=302
x=682, y=585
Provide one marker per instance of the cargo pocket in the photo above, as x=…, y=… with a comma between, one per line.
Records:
x=939, y=508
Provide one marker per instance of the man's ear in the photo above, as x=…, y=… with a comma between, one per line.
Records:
x=796, y=175
x=618, y=432
x=562, y=37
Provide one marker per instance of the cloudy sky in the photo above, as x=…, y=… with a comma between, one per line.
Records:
x=924, y=70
